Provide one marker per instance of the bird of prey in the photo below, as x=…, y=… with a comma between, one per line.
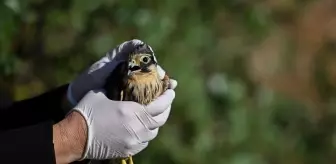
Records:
x=137, y=79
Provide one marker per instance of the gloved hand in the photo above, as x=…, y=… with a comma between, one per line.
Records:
x=117, y=129
x=95, y=76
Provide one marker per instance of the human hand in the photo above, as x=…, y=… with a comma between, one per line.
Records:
x=95, y=76
x=117, y=129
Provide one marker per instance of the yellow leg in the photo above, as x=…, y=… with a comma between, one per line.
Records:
x=123, y=161
x=129, y=159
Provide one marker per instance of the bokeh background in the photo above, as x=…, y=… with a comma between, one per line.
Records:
x=256, y=77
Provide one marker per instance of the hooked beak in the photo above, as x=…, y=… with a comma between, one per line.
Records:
x=133, y=67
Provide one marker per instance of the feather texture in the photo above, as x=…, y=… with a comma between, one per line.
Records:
x=145, y=87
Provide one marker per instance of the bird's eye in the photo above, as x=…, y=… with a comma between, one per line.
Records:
x=145, y=59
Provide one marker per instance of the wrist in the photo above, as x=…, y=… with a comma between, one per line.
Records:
x=70, y=138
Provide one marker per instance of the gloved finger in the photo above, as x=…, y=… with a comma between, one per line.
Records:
x=161, y=72
x=103, y=69
x=159, y=105
x=135, y=149
x=124, y=49
x=172, y=84
x=114, y=54
x=162, y=118
x=150, y=135
x=159, y=120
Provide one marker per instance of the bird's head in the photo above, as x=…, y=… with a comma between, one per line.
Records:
x=142, y=61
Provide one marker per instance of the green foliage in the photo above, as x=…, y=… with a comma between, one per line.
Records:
x=231, y=105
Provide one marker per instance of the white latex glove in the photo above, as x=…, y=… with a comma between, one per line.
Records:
x=117, y=129
x=95, y=76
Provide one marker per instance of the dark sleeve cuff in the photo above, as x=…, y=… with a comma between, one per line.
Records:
x=45, y=107
x=33, y=144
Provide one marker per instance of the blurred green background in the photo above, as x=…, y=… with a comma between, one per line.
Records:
x=256, y=77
